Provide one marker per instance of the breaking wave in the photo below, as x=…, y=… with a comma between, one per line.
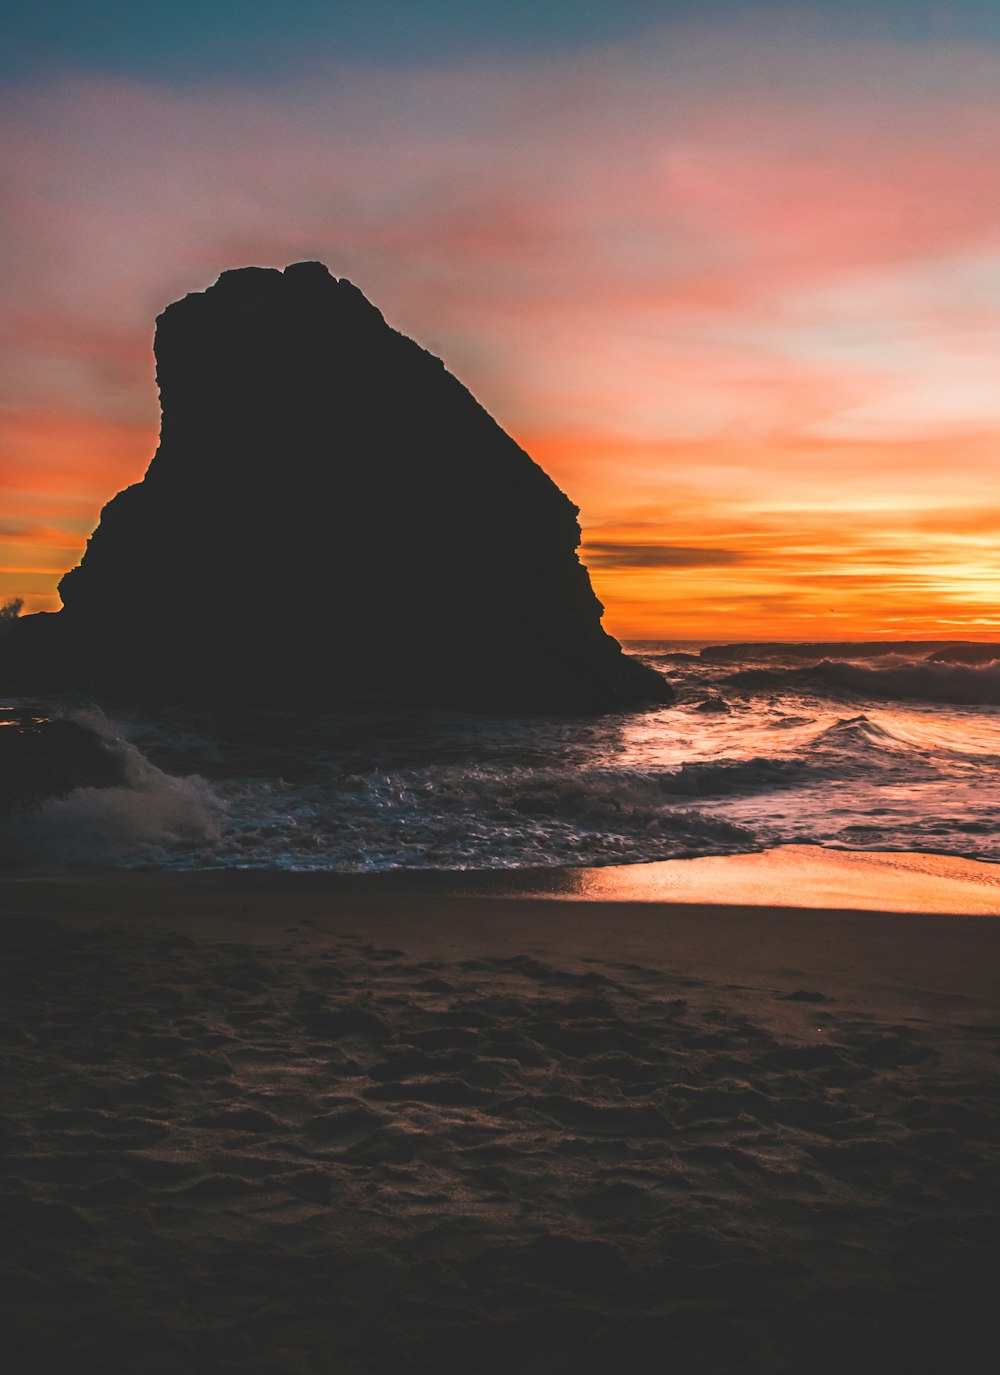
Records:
x=143, y=818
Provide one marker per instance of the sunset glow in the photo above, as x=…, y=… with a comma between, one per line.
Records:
x=395, y=965
x=737, y=288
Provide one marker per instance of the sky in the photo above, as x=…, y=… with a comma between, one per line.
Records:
x=730, y=272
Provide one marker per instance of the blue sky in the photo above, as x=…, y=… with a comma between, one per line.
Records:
x=190, y=39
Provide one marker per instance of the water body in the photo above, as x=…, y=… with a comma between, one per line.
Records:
x=872, y=752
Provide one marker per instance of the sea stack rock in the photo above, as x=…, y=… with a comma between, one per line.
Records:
x=330, y=513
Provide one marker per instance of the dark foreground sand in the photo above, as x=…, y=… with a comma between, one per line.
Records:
x=286, y=1128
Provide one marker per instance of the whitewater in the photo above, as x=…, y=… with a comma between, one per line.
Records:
x=884, y=751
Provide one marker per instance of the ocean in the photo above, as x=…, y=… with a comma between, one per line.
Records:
x=763, y=746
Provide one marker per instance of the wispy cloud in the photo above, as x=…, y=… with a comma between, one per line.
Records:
x=612, y=554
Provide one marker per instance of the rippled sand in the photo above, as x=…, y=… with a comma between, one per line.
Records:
x=277, y=1128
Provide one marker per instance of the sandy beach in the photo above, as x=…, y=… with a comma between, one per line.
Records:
x=258, y=1124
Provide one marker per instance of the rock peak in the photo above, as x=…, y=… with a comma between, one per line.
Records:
x=312, y=273
x=329, y=512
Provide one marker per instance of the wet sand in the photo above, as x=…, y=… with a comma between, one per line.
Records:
x=267, y=1125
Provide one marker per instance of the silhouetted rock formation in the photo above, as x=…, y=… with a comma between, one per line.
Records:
x=329, y=513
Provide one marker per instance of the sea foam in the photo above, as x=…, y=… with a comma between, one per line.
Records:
x=146, y=819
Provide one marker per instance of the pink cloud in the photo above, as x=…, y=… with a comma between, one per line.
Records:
x=727, y=265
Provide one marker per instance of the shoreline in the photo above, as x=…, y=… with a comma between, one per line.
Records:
x=926, y=934
x=789, y=876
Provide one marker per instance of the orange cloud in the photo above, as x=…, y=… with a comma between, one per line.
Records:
x=71, y=456
x=794, y=571
x=56, y=474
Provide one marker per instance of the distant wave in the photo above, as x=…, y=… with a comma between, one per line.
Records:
x=835, y=753
x=850, y=732
x=951, y=684
x=725, y=777
x=754, y=651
